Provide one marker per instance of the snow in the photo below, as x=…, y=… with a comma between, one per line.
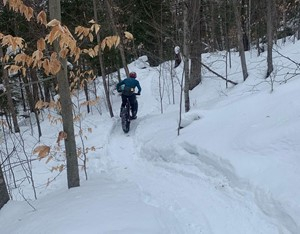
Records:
x=234, y=167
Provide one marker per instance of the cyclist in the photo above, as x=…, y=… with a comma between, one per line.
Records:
x=127, y=87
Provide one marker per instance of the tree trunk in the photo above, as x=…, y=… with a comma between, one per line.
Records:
x=31, y=103
x=196, y=49
x=244, y=22
x=66, y=107
x=240, y=39
x=109, y=6
x=186, y=56
x=284, y=23
x=10, y=103
x=35, y=87
x=103, y=73
x=4, y=197
x=270, y=4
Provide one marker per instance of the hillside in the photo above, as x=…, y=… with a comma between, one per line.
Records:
x=233, y=169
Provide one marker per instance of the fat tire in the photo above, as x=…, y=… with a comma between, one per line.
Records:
x=125, y=118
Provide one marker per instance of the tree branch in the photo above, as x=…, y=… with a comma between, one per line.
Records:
x=217, y=74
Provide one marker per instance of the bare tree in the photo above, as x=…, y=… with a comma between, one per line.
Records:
x=270, y=6
x=196, y=49
x=186, y=56
x=109, y=6
x=10, y=103
x=101, y=62
x=240, y=38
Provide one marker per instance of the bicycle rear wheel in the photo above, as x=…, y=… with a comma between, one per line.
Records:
x=125, y=118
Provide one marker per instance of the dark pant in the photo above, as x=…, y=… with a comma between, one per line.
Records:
x=132, y=101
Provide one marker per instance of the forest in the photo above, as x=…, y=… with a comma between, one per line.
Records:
x=51, y=50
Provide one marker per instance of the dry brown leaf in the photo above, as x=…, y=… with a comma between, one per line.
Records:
x=53, y=23
x=29, y=61
x=61, y=136
x=61, y=168
x=96, y=49
x=39, y=104
x=128, y=35
x=37, y=55
x=49, y=159
x=97, y=28
x=14, y=68
x=81, y=32
x=41, y=45
x=53, y=56
x=52, y=104
x=28, y=13
x=63, y=53
x=55, y=66
x=103, y=44
x=91, y=37
x=54, y=34
x=37, y=149
x=42, y=151
x=24, y=71
x=42, y=18
x=21, y=58
x=91, y=53
x=46, y=66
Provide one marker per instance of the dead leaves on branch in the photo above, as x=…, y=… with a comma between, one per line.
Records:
x=13, y=69
x=67, y=43
x=19, y=6
x=110, y=41
x=51, y=66
x=61, y=34
x=83, y=32
x=16, y=43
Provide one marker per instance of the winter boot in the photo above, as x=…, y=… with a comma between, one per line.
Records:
x=133, y=116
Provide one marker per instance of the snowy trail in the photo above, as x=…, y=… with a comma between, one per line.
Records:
x=163, y=185
x=184, y=189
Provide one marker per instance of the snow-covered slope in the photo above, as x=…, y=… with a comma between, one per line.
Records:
x=233, y=169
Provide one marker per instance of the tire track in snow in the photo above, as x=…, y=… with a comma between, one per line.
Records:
x=198, y=195
x=264, y=201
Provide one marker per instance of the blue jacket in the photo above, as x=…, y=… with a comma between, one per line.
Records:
x=131, y=83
